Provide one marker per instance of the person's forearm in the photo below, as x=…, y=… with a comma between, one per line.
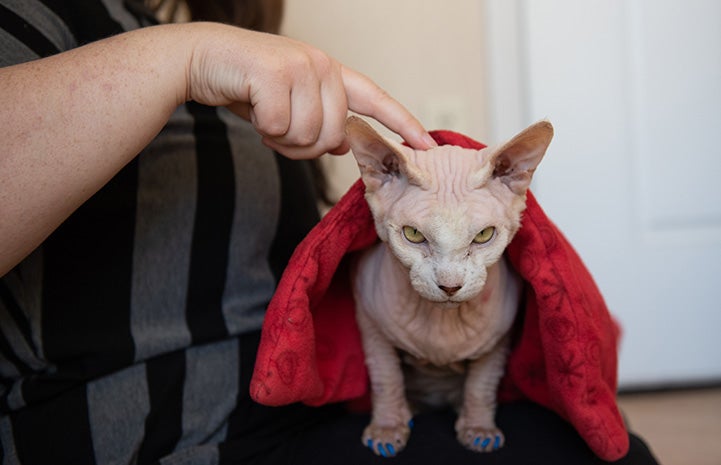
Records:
x=73, y=120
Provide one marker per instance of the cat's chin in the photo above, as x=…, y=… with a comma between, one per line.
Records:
x=446, y=304
x=449, y=304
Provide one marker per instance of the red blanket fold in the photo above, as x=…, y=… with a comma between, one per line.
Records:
x=564, y=356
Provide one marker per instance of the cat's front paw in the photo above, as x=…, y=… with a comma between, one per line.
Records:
x=386, y=441
x=481, y=439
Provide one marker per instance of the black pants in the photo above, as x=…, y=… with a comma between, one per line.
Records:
x=303, y=435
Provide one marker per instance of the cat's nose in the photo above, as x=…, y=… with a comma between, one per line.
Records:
x=449, y=290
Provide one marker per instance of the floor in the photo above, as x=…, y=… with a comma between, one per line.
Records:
x=683, y=427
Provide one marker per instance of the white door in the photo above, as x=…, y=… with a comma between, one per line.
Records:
x=633, y=176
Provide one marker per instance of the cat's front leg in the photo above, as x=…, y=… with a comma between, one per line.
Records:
x=476, y=426
x=391, y=419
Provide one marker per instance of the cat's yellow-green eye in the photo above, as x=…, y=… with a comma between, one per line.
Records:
x=485, y=235
x=413, y=235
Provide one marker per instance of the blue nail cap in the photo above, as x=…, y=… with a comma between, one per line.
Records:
x=381, y=450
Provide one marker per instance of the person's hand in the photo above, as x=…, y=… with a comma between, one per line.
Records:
x=296, y=96
x=71, y=121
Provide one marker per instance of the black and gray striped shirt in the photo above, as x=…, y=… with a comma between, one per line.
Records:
x=120, y=336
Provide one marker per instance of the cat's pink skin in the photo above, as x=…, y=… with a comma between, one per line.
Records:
x=446, y=302
x=437, y=332
x=392, y=315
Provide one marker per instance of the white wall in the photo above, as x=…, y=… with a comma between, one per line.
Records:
x=426, y=53
x=633, y=88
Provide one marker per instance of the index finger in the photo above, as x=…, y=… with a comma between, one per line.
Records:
x=365, y=97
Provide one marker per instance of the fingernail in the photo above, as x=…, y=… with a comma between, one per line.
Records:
x=410, y=423
x=485, y=442
x=429, y=140
x=391, y=449
x=497, y=443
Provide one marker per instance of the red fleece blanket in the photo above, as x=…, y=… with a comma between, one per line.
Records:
x=564, y=354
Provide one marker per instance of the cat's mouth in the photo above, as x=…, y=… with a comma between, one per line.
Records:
x=449, y=298
x=446, y=302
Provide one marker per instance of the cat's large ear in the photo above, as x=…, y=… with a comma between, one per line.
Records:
x=380, y=160
x=515, y=162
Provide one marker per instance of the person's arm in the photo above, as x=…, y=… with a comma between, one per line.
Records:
x=72, y=121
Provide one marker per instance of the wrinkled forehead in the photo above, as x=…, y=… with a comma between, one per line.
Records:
x=452, y=170
x=477, y=208
x=451, y=217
